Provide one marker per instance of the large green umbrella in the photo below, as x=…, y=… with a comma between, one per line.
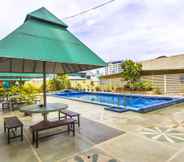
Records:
x=7, y=77
x=15, y=79
x=20, y=75
x=43, y=44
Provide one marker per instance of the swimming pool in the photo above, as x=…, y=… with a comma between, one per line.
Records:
x=120, y=102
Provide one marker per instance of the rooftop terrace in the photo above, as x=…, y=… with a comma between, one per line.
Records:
x=132, y=137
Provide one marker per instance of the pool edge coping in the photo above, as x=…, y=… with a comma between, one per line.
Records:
x=176, y=100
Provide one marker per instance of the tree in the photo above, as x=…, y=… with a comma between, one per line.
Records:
x=65, y=82
x=131, y=71
x=54, y=85
x=59, y=82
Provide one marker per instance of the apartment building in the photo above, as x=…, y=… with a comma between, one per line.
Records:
x=113, y=67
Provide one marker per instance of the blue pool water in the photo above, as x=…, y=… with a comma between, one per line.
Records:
x=119, y=102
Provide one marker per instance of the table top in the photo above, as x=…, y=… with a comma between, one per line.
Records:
x=51, y=107
x=12, y=122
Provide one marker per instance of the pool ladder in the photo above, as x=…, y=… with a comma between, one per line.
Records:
x=118, y=102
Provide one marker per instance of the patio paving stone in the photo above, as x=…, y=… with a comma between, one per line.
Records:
x=92, y=155
x=16, y=151
x=132, y=148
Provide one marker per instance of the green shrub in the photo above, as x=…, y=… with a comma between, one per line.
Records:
x=2, y=91
x=97, y=88
x=14, y=90
x=54, y=85
x=79, y=87
x=157, y=91
x=139, y=86
x=29, y=88
x=58, y=83
x=26, y=92
x=147, y=85
x=119, y=89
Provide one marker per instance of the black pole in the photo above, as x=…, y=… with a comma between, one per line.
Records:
x=20, y=83
x=44, y=84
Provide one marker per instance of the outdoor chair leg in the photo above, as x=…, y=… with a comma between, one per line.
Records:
x=33, y=137
x=36, y=139
x=78, y=119
x=68, y=130
x=4, y=128
x=59, y=115
x=21, y=133
x=73, y=125
x=8, y=135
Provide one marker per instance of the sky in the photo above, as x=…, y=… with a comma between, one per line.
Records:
x=123, y=29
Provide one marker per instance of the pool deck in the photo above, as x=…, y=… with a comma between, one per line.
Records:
x=156, y=136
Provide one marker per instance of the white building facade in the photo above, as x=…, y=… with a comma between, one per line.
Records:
x=113, y=67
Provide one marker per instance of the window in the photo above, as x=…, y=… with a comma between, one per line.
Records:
x=182, y=79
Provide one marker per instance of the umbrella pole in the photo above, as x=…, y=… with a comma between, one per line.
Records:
x=44, y=84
